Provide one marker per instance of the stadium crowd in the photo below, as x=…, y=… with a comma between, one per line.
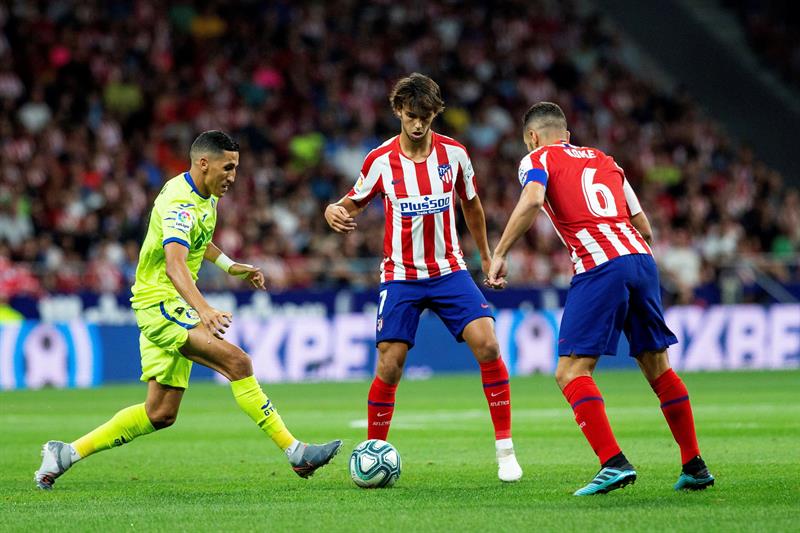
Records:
x=773, y=32
x=100, y=101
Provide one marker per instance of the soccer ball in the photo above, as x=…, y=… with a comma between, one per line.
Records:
x=374, y=464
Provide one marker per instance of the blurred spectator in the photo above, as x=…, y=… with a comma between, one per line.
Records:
x=100, y=102
x=681, y=265
x=773, y=31
x=16, y=225
x=35, y=114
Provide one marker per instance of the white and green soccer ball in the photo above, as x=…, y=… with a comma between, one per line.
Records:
x=375, y=464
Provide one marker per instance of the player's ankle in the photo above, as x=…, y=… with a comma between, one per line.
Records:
x=694, y=466
x=292, y=448
x=504, y=444
x=504, y=450
x=74, y=456
x=618, y=461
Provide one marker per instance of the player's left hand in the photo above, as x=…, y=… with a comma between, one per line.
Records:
x=251, y=273
x=496, y=278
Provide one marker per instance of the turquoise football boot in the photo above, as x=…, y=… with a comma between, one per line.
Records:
x=699, y=481
x=694, y=475
x=608, y=479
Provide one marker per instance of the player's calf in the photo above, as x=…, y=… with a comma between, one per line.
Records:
x=57, y=457
x=497, y=389
x=588, y=405
x=677, y=410
x=380, y=408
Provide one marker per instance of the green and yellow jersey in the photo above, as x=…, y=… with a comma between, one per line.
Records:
x=180, y=214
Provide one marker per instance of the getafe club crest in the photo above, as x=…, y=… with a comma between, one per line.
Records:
x=446, y=173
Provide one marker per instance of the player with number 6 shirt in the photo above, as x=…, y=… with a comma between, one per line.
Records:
x=615, y=289
x=418, y=174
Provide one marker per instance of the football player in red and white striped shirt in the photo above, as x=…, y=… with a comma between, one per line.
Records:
x=615, y=289
x=418, y=174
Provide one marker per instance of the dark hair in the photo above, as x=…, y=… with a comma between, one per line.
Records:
x=546, y=115
x=420, y=93
x=212, y=142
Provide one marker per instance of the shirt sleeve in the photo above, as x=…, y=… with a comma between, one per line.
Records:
x=634, y=208
x=466, y=186
x=177, y=223
x=533, y=167
x=631, y=201
x=368, y=184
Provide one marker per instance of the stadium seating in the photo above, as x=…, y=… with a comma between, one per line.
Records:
x=101, y=103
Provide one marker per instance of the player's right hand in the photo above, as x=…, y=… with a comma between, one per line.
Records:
x=496, y=278
x=339, y=219
x=216, y=322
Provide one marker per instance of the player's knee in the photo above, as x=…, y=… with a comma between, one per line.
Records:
x=390, y=371
x=390, y=364
x=561, y=377
x=565, y=374
x=162, y=418
x=653, y=363
x=238, y=364
x=487, y=350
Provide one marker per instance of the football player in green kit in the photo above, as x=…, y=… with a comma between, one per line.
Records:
x=177, y=324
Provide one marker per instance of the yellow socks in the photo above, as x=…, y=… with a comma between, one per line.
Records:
x=254, y=402
x=123, y=427
x=132, y=422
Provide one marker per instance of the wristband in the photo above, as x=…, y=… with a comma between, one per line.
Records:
x=224, y=262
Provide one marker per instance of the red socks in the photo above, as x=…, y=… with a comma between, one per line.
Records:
x=380, y=405
x=494, y=376
x=678, y=411
x=590, y=414
x=380, y=408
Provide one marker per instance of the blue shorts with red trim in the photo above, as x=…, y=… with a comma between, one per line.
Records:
x=621, y=295
x=453, y=297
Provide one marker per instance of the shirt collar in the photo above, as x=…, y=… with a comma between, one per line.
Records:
x=190, y=181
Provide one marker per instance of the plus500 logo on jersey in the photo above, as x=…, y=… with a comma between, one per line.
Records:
x=424, y=205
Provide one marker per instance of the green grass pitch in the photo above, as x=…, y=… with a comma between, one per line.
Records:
x=214, y=470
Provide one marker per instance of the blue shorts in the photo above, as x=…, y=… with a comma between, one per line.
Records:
x=453, y=297
x=622, y=295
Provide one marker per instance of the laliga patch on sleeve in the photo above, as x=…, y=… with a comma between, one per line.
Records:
x=468, y=171
x=183, y=221
x=359, y=184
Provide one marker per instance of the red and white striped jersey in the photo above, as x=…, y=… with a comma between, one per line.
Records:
x=588, y=201
x=420, y=238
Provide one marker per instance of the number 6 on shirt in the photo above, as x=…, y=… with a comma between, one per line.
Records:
x=593, y=191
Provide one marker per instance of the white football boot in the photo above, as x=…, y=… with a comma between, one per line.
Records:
x=56, y=459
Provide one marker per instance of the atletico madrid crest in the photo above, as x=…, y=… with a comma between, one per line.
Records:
x=446, y=173
x=380, y=323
